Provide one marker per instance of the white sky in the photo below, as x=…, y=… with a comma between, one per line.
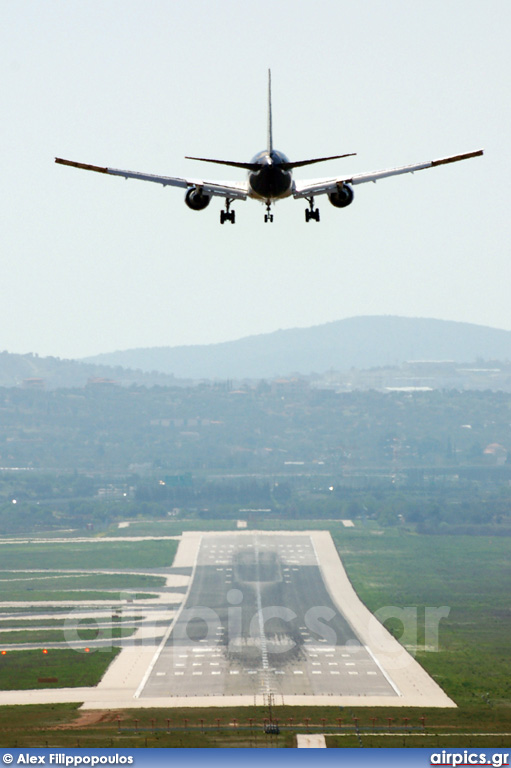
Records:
x=94, y=264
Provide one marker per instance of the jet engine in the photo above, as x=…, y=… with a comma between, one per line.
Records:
x=343, y=197
x=196, y=199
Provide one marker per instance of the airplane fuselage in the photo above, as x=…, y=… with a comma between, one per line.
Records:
x=270, y=178
x=271, y=181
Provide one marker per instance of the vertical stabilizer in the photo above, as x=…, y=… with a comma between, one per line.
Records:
x=270, y=133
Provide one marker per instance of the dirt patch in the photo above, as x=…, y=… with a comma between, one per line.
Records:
x=91, y=717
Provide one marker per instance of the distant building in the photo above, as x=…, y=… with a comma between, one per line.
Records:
x=33, y=383
x=98, y=381
x=497, y=452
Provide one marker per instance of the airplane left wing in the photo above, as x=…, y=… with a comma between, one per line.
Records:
x=233, y=190
x=324, y=186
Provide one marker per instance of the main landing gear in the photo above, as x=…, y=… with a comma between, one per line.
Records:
x=268, y=216
x=311, y=212
x=227, y=215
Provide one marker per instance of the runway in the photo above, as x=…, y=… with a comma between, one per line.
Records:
x=249, y=614
x=258, y=619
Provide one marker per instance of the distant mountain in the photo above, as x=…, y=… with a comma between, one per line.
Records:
x=358, y=342
x=51, y=372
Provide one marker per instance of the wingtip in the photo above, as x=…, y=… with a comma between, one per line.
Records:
x=455, y=158
x=83, y=166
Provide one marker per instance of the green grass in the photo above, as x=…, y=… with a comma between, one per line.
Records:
x=92, y=620
x=471, y=576
x=9, y=575
x=34, y=609
x=11, y=589
x=59, y=596
x=29, y=623
x=20, y=670
x=60, y=636
x=88, y=555
x=82, y=581
x=63, y=725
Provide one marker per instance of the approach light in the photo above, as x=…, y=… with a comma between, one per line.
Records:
x=4, y=653
x=45, y=650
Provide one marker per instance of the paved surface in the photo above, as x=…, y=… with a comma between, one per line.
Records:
x=310, y=741
x=237, y=578
x=258, y=619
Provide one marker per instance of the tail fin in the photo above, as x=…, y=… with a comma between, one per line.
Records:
x=270, y=133
x=286, y=166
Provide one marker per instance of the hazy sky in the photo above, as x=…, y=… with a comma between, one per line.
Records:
x=94, y=264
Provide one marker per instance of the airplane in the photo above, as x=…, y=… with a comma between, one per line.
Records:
x=270, y=179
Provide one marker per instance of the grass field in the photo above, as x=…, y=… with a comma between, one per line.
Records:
x=83, y=622
x=22, y=586
x=60, y=596
x=35, y=610
x=60, y=636
x=80, y=581
x=87, y=555
x=74, y=587
x=21, y=670
x=63, y=725
x=468, y=574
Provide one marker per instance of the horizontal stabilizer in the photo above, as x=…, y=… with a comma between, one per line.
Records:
x=301, y=163
x=286, y=166
x=232, y=163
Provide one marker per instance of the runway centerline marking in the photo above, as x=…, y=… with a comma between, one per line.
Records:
x=262, y=636
x=256, y=639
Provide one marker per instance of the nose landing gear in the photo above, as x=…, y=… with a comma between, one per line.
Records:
x=227, y=215
x=268, y=216
x=311, y=212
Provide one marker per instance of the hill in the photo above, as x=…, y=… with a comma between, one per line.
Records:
x=51, y=372
x=358, y=342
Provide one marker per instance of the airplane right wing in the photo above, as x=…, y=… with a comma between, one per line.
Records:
x=232, y=190
x=324, y=186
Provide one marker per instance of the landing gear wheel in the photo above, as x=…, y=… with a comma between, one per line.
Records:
x=227, y=215
x=311, y=212
x=268, y=216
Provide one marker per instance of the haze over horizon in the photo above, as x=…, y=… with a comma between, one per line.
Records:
x=271, y=332
x=94, y=264
x=353, y=343
x=300, y=328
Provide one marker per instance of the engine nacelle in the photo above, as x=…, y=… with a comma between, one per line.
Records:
x=343, y=197
x=196, y=199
